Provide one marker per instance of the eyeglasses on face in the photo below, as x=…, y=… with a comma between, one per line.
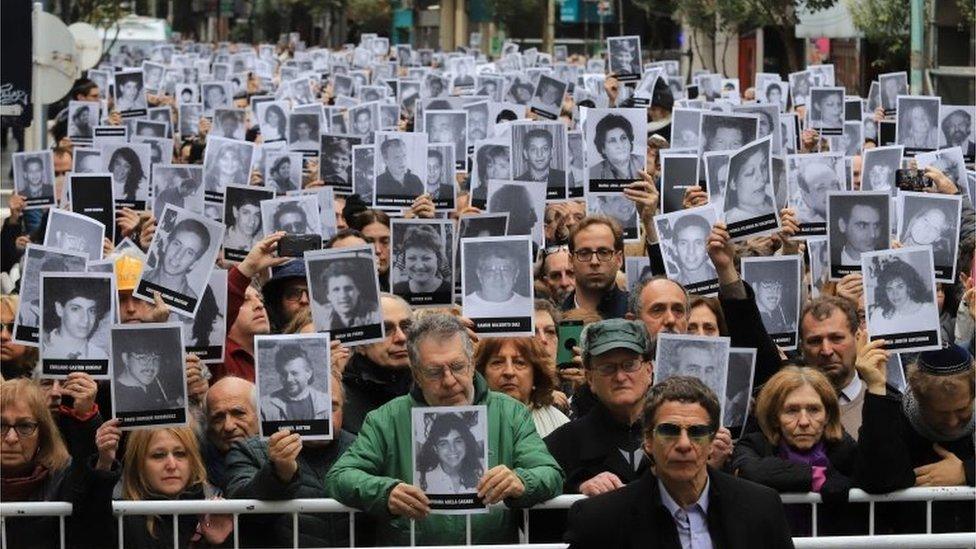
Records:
x=23, y=428
x=629, y=367
x=671, y=432
x=296, y=293
x=585, y=254
x=457, y=369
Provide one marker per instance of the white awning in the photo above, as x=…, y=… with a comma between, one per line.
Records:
x=833, y=22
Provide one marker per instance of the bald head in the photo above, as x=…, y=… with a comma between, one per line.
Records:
x=231, y=411
x=661, y=304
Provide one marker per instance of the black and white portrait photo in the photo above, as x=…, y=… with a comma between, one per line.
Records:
x=850, y=141
x=300, y=91
x=615, y=147
x=364, y=119
x=450, y=456
x=294, y=385
x=892, y=85
x=547, y=100
x=421, y=261
x=738, y=389
x=768, y=123
x=577, y=164
x=303, y=131
x=878, y=168
x=189, y=117
x=750, y=204
x=242, y=217
x=858, y=222
x=618, y=207
x=74, y=232
x=774, y=93
x=38, y=259
x=704, y=358
x=900, y=298
x=817, y=253
x=400, y=168
x=130, y=93
x=800, y=84
x=34, y=178
x=153, y=75
x=343, y=286
x=716, y=175
x=811, y=176
x=326, y=199
x=181, y=256
x=950, y=161
x=449, y=126
x=624, y=55
x=441, y=176
x=525, y=204
x=727, y=131
x=685, y=128
x=225, y=162
x=918, y=127
x=492, y=160
x=776, y=283
x=789, y=132
x=178, y=184
x=129, y=165
x=683, y=236
x=216, y=95
x=228, y=123
x=826, y=110
x=82, y=119
x=92, y=196
x=293, y=214
x=148, y=375
x=932, y=220
x=76, y=315
x=479, y=125
x=496, y=285
x=205, y=333
x=150, y=128
x=186, y=93
x=283, y=171
x=86, y=160
x=336, y=161
x=539, y=154
x=272, y=120
x=363, y=171
x=957, y=129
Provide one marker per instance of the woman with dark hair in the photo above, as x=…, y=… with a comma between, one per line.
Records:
x=281, y=175
x=81, y=123
x=706, y=318
x=901, y=299
x=207, y=321
x=828, y=110
x=349, y=301
x=493, y=163
x=746, y=196
x=522, y=368
x=273, y=125
x=449, y=460
x=614, y=140
x=515, y=200
x=422, y=261
x=126, y=170
x=227, y=167
x=73, y=318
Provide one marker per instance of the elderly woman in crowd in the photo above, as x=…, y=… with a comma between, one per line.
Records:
x=802, y=446
x=16, y=360
x=522, y=369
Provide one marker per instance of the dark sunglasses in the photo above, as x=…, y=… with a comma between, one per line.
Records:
x=698, y=434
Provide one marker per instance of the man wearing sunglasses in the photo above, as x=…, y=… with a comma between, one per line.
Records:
x=682, y=502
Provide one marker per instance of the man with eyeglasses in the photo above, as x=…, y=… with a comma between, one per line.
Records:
x=601, y=451
x=596, y=246
x=379, y=372
x=497, y=273
x=683, y=502
x=375, y=474
x=137, y=385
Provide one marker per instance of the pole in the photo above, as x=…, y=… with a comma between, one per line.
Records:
x=917, y=58
x=37, y=126
x=549, y=31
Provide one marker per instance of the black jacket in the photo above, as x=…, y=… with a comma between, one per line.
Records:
x=889, y=449
x=746, y=330
x=756, y=459
x=613, y=304
x=369, y=386
x=741, y=514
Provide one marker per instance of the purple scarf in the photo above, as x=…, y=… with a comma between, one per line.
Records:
x=816, y=456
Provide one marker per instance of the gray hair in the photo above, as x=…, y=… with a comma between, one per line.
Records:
x=441, y=326
x=634, y=299
x=398, y=299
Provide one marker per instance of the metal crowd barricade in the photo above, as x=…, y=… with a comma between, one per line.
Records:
x=237, y=507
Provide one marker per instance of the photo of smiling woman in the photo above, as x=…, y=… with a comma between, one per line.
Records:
x=900, y=298
x=242, y=217
x=148, y=377
x=750, y=207
x=450, y=456
x=422, y=268
x=76, y=309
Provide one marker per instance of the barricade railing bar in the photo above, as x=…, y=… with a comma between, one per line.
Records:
x=295, y=507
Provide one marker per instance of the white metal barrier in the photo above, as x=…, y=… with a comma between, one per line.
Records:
x=294, y=507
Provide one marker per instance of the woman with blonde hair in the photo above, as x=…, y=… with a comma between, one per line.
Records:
x=802, y=447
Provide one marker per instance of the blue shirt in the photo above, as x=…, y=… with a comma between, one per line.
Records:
x=691, y=522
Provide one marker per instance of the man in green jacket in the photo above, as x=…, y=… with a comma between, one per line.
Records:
x=375, y=474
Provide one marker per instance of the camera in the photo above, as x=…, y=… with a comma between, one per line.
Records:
x=295, y=245
x=912, y=180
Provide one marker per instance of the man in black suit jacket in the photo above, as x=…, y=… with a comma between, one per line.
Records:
x=686, y=500
x=397, y=179
x=537, y=153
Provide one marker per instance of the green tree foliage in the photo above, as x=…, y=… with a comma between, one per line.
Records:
x=884, y=23
x=519, y=18
x=370, y=15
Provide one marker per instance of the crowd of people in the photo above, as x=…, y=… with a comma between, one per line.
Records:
x=663, y=461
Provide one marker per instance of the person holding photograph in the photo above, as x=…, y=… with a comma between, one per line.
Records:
x=423, y=262
x=72, y=319
x=297, y=399
x=81, y=125
x=802, y=447
x=448, y=461
x=273, y=125
x=228, y=168
x=918, y=128
x=137, y=384
x=175, y=258
x=614, y=140
x=244, y=223
x=497, y=271
x=348, y=305
x=35, y=179
x=397, y=179
x=377, y=471
x=746, y=197
x=901, y=299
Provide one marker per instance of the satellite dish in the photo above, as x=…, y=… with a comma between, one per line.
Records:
x=89, y=44
x=55, y=58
